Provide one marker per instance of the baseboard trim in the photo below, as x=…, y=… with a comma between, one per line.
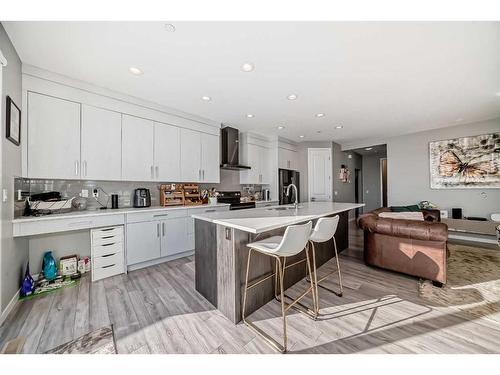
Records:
x=153, y=262
x=10, y=306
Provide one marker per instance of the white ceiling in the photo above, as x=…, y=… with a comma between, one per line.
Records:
x=376, y=79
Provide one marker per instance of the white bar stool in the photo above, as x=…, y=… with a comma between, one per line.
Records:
x=323, y=231
x=294, y=241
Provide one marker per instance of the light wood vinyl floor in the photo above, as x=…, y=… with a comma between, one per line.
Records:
x=157, y=310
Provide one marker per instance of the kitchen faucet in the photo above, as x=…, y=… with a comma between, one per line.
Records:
x=296, y=203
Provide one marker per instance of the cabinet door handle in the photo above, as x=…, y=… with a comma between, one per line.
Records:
x=76, y=167
x=199, y=174
x=152, y=172
x=203, y=172
x=160, y=215
x=163, y=229
x=158, y=230
x=157, y=171
x=85, y=166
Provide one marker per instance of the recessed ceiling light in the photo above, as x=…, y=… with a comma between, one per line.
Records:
x=320, y=115
x=281, y=127
x=291, y=97
x=249, y=115
x=368, y=148
x=301, y=136
x=247, y=67
x=339, y=127
x=135, y=71
x=206, y=98
x=169, y=27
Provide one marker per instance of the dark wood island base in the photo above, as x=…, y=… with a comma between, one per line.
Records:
x=220, y=260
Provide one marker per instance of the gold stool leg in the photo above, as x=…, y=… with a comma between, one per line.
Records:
x=282, y=295
x=268, y=339
x=313, y=286
x=339, y=294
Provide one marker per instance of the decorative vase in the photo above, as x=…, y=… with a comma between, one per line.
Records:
x=212, y=200
x=49, y=266
x=28, y=285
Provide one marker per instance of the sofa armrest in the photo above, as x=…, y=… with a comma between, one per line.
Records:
x=418, y=230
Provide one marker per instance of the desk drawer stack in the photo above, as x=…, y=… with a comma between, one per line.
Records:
x=108, y=258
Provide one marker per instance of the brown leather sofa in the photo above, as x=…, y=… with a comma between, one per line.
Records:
x=416, y=248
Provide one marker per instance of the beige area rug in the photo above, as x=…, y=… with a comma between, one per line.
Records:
x=97, y=342
x=473, y=282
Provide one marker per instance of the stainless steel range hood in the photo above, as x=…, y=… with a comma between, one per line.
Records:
x=230, y=149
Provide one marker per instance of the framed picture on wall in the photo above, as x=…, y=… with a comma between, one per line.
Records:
x=467, y=162
x=13, y=122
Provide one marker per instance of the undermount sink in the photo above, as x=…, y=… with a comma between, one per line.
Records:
x=283, y=208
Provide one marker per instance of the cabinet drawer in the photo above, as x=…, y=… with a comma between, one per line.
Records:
x=107, y=240
x=107, y=232
x=99, y=273
x=102, y=250
x=137, y=217
x=108, y=260
x=206, y=209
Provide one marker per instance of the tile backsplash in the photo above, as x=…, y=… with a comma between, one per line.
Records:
x=73, y=188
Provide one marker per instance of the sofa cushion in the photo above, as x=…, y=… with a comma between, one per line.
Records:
x=407, y=215
x=412, y=208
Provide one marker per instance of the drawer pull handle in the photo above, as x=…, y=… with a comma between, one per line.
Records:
x=107, y=229
x=108, y=255
x=209, y=210
x=111, y=265
x=108, y=244
x=160, y=215
x=106, y=237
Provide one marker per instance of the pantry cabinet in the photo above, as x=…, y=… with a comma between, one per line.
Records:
x=53, y=137
x=101, y=142
x=137, y=149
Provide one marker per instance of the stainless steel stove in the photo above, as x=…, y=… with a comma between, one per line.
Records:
x=234, y=199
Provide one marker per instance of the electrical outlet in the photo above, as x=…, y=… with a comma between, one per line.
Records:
x=95, y=193
x=4, y=195
x=85, y=193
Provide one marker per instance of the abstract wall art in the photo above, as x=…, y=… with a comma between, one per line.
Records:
x=468, y=162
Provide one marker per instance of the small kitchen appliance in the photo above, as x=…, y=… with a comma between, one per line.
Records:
x=266, y=194
x=142, y=198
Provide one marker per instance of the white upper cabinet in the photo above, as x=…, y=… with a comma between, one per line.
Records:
x=288, y=159
x=53, y=137
x=210, y=158
x=167, y=153
x=137, y=149
x=258, y=158
x=190, y=155
x=101, y=141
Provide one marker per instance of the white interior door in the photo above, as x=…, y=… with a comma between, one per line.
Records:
x=319, y=174
x=190, y=156
x=101, y=144
x=53, y=137
x=167, y=153
x=137, y=149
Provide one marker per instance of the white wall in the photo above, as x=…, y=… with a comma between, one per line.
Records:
x=14, y=252
x=409, y=176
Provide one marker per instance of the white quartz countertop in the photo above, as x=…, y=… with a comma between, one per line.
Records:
x=109, y=211
x=258, y=220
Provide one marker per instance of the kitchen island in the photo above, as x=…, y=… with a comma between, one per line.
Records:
x=221, y=252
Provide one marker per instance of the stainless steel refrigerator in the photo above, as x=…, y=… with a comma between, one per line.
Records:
x=287, y=177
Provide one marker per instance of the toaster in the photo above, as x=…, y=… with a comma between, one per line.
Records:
x=142, y=197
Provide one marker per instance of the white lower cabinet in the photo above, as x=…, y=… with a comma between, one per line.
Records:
x=107, y=255
x=153, y=235
x=143, y=242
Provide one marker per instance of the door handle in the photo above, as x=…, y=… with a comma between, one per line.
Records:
x=203, y=174
x=199, y=174
x=152, y=172
x=76, y=167
x=158, y=230
x=163, y=229
x=157, y=171
x=85, y=166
